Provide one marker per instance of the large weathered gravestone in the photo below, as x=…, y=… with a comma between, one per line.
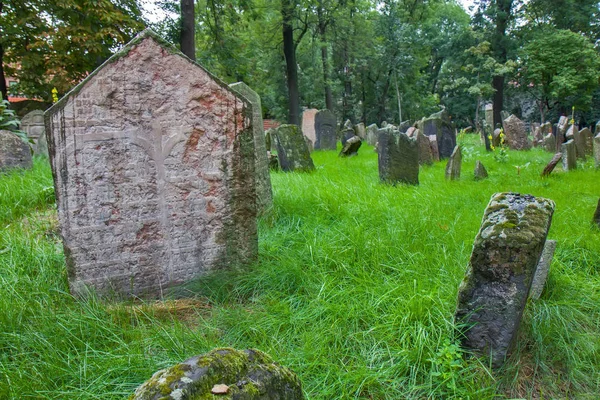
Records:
x=223, y=374
x=398, y=158
x=506, y=251
x=14, y=152
x=439, y=125
x=454, y=165
x=569, y=155
x=308, y=124
x=542, y=269
x=516, y=134
x=153, y=164
x=33, y=124
x=264, y=191
x=372, y=132
x=325, y=131
x=292, y=150
x=597, y=150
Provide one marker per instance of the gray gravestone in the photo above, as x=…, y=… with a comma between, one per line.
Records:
x=489, y=115
x=153, y=164
x=454, y=165
x=14, y=152
x=541, y=272
x=425, y=156
x=546, y=128
x=372, y=131
x=516, y=134
x=561, y=130
x=569, y=155
x=597, y=150
x=550, y=143
x=480, y=171
x=506, y=251
x=496, y=139
x=33, y=124
x=351, y=147
x=292, y=150
x=308, y=124
x=325, y=131
x=439, y=125
x=264, y=192
x=347, y=132
x=398, y=158
x=433, y=145
x=552, y=164
x=223, y=374
x=587, y=141
x=360, y=131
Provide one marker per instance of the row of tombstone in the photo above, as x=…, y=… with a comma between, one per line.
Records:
x=16, y=153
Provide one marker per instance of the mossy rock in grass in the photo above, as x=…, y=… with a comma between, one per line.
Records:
x=247, y=375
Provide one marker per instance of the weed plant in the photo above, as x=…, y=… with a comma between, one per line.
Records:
x=354, y=290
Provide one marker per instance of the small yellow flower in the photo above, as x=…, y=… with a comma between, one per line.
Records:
x=54, y=95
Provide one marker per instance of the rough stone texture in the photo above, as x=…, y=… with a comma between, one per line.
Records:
x=454, y=165
x=351, y=147
x=325, y=131
x=572, y=131
x=561, y=130
x=573, y=134
x=569, y=155
x=308, y=124
x=439, y=125
x=489, y=115
x=552, y=164
x=398, y=158
x=14, y=152
x=480, y=171
x=538, y=137
x=268, y=140
x=264, y=191
x=153, y=164
x=597, y=150
x=506, y=251
x=292, y=150
x=546, y=128
x=541, y=272
x=433, y=145
x=425, y=155
x=404, y=125
x=372, y=132
x=597, y=215
x=242, y=375
x=360, y=131
x=587, y=141
x=550, y=143
x=411, y=131
x=516, y=134
x=33, y=125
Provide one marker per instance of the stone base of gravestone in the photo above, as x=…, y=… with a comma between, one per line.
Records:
x=516, y=134
x=398, y=158
x=569, y=155
x=480, y=171
x=351, y=147
x=223, y=374
x=425, y=155
x=597, y=150
x=372, y=131
x=454, y=165
x=14, y=152
x=292, y=152
x=551, y=165
x=506, y=251
x=325, y=131
x=542, y=269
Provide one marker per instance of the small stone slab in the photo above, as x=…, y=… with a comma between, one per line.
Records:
x=597, y=150
x=541, y=272
x=372, y=132
x=454, y=165
x=292, y=151
x=308, y=124
x=587, y=141
x=398, y=158
x=351, y=147
x=225, y=374
x=494, y=292
x=425, y=154
x=33, y=124
x=480, y=171
x=433, y=145
x=569, y=155
x=14, y=152
x=325, y=131
x=551, y=165
x=516, y=134
x=550, y=143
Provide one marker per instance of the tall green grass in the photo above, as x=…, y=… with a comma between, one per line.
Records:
x=355, y=290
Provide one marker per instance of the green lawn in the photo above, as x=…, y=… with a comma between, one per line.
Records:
x=354, y=290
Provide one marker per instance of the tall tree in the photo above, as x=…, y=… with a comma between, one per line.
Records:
x=188, y=29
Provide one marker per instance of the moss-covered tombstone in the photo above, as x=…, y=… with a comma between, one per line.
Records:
x=292, y=149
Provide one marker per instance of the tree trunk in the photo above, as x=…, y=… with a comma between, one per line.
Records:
x=399, y=98
x=498, y=99
x=322, y=24
x=289, y=50
x=499, y=48
x=188, y=29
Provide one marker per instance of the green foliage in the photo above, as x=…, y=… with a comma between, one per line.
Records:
x=9, y=120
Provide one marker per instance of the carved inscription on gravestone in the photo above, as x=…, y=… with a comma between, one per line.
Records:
x=153, y=164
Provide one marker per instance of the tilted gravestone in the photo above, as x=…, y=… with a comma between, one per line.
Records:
x=425, y=155
x=372, y=131
x=325, y=131
x=506, y=251
x=292, y=151
x=351, y=147
x=439, y=125
x=153, y=164
x=597, y=150
x=454, y=165
x=398, y=158
x=223, y=373
x=14, y=152
x=516, y=134
x=552, y=164
x=264, y=191
x=480, y=171
x=542, y=269
x=308, y=124
x=569, y=155
x=33, y=124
